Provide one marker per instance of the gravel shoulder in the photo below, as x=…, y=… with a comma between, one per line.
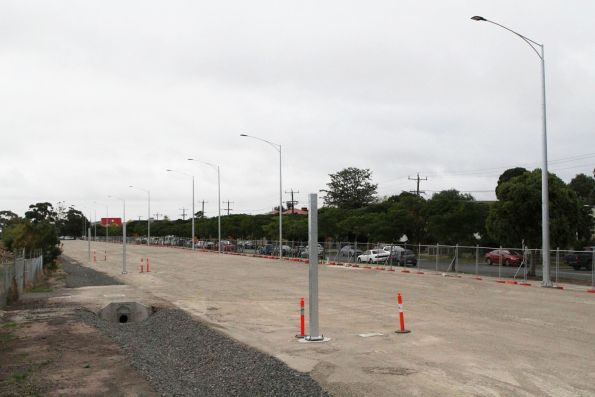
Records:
x=81, y=276
x=181, y=356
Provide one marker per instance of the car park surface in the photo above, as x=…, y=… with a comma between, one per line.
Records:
x=543, y=346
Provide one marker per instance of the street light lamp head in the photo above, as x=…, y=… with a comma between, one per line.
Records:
x=130, y=186
x=478, y=18
x=168, y=170
x=190, y=159
x=243, y=135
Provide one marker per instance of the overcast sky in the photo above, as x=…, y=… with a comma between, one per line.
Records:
x=99, y=95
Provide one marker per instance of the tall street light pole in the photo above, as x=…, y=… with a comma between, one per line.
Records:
x=123, y=232
x=192, y=176
x=148, y=213
x=545, y=217
x=216, y=167
x=277, y=148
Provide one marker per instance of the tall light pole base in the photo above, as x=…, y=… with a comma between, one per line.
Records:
x=314, y=339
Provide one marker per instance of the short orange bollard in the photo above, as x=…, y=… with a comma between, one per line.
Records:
x=402, y=330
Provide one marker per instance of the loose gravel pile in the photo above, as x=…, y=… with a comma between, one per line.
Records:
x=184, y=357
x=81, y=276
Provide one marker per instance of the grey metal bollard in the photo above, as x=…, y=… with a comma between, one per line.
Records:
x=313, y=269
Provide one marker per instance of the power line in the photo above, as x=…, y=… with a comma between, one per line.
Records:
x=481, y=172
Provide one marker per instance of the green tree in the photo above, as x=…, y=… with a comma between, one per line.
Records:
x=454, y=217
x=584, y=187
x=517, y=214
x=28, y=236
x=72, y=223
x=350, y=188
x=7, y=218
x=41, y=212
x=509, y=174
x=407, y=213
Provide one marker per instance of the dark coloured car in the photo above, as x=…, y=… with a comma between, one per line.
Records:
x=508, y=257
x=266, y=249
x=407, y=257
x=578, y=260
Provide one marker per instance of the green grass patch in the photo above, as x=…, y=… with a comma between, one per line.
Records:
x=19, y=376
x=41, y=288
x=10, y=325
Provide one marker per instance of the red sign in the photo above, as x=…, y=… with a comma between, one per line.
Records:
x=111, y=221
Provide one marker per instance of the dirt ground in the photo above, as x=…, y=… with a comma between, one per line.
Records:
x=46, y=350
x=468, y=338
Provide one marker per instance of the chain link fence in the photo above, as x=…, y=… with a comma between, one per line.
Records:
x=514, y=263
x=19, y=273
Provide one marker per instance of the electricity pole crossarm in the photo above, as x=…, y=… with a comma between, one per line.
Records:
x=228, y=203
x=418, y=179
x=291, y=204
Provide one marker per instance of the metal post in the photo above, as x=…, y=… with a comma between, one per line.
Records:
x=281, y=212
x=89, y=243
x=313, y=268
x=149, y=220
x=526, y=253
x=437, y=250
x=124, y=239
x=593, y=268
x=557, y=263
x=456, y=258
x=219, y=201
x=500, y=263
x=545, y=216
x=107, y=226
x=477, y=259
x=193, y=214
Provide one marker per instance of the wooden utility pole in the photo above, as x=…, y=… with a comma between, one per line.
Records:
x=418, y=179
x=293, y=202
x=228, y=209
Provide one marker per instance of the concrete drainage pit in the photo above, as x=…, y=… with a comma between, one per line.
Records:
x=125, y=312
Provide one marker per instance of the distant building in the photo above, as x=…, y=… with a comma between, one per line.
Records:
x=111, y=221
x=291, y=211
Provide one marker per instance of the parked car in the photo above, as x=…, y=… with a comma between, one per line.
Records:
x=373, y=256
x=349, y=251
x=579, y=259
x=406, y=257
x=266, y=249
x=286, y=250
x=509, y=257
x=248, y=244
x=394, y=250
x=306, y=251
x=227, y=245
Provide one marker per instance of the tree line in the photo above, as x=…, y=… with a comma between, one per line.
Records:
x=353, y=212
